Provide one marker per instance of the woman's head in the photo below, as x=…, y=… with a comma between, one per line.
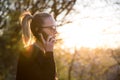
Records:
x=41, y=23
x=34, y=25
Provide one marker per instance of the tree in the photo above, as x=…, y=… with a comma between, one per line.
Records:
x=114, y=71
x=10, y=30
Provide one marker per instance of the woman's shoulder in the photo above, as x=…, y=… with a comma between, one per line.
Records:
x=31, y=51
x=28, y=51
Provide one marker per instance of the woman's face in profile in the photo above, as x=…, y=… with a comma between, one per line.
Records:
x=49, y=28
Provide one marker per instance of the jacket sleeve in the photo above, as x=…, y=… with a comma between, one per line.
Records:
x=46, y=64
x=50, y=69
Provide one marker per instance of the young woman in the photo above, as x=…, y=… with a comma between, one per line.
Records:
x=39, y=35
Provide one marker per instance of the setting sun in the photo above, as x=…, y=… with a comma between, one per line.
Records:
x=93, y=26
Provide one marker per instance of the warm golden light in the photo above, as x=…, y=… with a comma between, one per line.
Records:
x=95, y=24
x=86, y=35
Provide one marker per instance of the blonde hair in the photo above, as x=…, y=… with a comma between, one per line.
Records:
x=30, y=25
x=27, y=37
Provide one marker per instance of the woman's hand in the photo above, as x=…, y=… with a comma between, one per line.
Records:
x=49, y=44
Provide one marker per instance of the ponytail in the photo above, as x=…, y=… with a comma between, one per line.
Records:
x=25, y=20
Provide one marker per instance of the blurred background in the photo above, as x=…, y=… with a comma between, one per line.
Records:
x=88, y=46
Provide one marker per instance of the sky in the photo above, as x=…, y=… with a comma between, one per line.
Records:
x=95, y=23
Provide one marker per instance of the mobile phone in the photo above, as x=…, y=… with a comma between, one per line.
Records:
x=45, y=35
x=38, y=37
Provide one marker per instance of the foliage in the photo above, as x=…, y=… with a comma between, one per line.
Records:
x=10, y=30
x=83, y=64
x=88, y=64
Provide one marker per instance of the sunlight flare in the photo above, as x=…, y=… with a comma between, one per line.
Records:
x=96, y=24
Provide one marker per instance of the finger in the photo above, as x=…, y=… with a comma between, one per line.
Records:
x=43, y=40
x=52, y=40
x=49, y=38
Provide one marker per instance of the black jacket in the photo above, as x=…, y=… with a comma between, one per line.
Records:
x=38, y=66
